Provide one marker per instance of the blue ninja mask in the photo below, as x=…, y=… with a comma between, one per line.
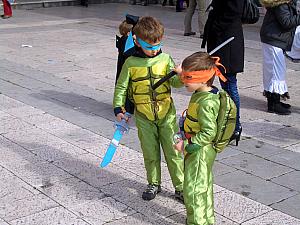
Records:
x=148, y=46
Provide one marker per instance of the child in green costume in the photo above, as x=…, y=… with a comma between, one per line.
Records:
x=200, y=127
x=155, y=113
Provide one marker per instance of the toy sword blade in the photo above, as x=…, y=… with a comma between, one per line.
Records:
x=122, y=127
x=112, y=148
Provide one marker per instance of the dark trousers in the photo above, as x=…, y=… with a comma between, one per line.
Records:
x=230, y=86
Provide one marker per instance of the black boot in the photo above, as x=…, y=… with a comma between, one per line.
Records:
x=274, y=104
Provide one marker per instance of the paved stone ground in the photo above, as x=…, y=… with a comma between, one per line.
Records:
x=56, y=122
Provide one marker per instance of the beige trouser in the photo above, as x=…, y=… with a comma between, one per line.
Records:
x=202, y=15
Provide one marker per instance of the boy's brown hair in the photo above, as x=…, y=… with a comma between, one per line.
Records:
x=199, y=61
x=125, y=28
x=149, y=29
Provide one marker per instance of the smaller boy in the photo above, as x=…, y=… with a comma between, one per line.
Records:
x=124, y=29
x=155, y=114
x=200, y=127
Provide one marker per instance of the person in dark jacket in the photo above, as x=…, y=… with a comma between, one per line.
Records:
x=224, y=21
x=277, y=36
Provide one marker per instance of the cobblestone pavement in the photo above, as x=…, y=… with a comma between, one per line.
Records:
x=56, y=122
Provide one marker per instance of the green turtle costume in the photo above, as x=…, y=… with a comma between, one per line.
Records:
x=155, y=114
x=201, y=125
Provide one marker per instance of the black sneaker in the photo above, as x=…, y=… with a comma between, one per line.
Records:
x=151, y=191
x=179, y=196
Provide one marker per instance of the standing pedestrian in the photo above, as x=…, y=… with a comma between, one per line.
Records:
x=277, y=35
x=202, y=17
x=224, y=21
x=7, y=9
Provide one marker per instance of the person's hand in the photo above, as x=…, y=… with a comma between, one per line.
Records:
x=179, y=146
x=178, y=69
x=120, y=116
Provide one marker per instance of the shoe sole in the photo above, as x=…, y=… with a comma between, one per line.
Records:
x=282, y=114
x=148, y=199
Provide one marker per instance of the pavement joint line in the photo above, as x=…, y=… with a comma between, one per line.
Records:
x=15, y=84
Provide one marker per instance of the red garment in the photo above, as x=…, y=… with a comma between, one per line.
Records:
x=7, y=8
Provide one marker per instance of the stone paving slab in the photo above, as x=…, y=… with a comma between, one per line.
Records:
x=162, y=206
x=53, y=216
x=282, y=137
x=273, y=217
x=258, y=148
x=2, y=222
x=288, y=158
x=254, y=188
x=26, y=206
x=136, y=218
x=12, y=189
x=71, y=192
x=290, y=206
x=290, y=180
x=86, y=168
x=256, y=166
x=102, y=211
x=239, y=208
x=221, y=169
x=227, y=153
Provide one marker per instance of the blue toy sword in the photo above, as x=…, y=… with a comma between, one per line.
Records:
x=121, y=128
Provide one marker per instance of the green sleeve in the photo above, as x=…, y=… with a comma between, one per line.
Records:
x=207, y=118
x=121, y=87
x=175, y=80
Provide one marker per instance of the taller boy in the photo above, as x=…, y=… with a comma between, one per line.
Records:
x=155, y=113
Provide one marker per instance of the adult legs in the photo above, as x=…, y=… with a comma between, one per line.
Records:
x=202, y=16
x=188, y=16
x=230, y=86
x=274, y=71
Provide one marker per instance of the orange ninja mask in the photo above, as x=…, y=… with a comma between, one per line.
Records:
x=202, y=76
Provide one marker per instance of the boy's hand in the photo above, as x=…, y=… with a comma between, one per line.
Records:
x=120, y=116
x=178, y=69
x=179, y=146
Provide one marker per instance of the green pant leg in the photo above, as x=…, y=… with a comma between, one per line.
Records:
x=210, y=200
x=148, y=135
x=167, y=128
x=197, y=183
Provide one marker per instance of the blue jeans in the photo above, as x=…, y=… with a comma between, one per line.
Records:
x=230, y=86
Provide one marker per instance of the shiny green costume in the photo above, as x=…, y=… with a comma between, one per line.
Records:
x=201, y=123
x=155, y=113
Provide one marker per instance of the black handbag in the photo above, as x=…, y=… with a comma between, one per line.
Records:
x=250, y=12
